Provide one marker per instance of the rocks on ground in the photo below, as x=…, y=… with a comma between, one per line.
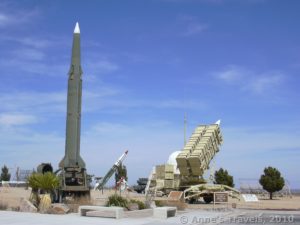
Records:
x=58, y=208
x=27, y=206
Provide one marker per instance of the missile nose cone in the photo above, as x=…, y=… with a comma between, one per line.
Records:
x=126, y=152
x=77, y=30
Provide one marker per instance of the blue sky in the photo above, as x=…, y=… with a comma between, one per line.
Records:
x=145, y=63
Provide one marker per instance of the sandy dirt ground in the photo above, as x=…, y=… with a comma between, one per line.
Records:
x=11, y=196
x=283, y=203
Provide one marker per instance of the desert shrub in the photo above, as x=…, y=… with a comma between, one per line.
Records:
x=158, y=203
x=3, y=205
x=180, y=205
x=117, y=200
x=140, y=203
x=16, y=208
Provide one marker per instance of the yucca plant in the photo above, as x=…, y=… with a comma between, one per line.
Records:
x=33, y=181
x=48, y=182
x=42, y=183
x=45, y=182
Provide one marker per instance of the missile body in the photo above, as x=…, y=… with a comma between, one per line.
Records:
x=72, y=156
x=111, y=171
x=121, y=159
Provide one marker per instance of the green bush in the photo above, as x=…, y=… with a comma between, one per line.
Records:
x=140, y=203
x=46, y=182
x=158, y=203
x=117, y=200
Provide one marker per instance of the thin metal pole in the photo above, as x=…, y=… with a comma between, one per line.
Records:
x=185, y=122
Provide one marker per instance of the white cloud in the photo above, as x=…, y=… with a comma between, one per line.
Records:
x=16, y=119
x=264, y=82
x=53, y=102
x=231, y=75
x=195, y=28
x=33, y=61
x=10, y=16
x=247, y=150
x=134, y=57
x=130, y=103
x=27, y=148
x=33, y=41
x=97, y=98
x=179, y=104
x=101, y=66
x=255, y=140
x=247, y=80
x=150, y=144
x=33, y=65
x=28, y=54
x=4, y=19
x=216, y=1
x=190, y=25
x=33, y=101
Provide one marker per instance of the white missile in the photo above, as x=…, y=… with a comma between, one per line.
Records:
x=99, y=185
x=77, y=29
x=121, y=159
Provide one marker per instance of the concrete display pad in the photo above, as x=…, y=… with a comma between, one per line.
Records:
x=164, y=212
x=101, y=211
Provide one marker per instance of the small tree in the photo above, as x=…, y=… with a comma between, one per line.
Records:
x=222, y=177
x=5, y=175
x=121, y=172
x=271, y=180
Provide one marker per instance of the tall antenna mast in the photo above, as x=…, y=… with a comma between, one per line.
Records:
x=185, y=117
x=185, y=123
